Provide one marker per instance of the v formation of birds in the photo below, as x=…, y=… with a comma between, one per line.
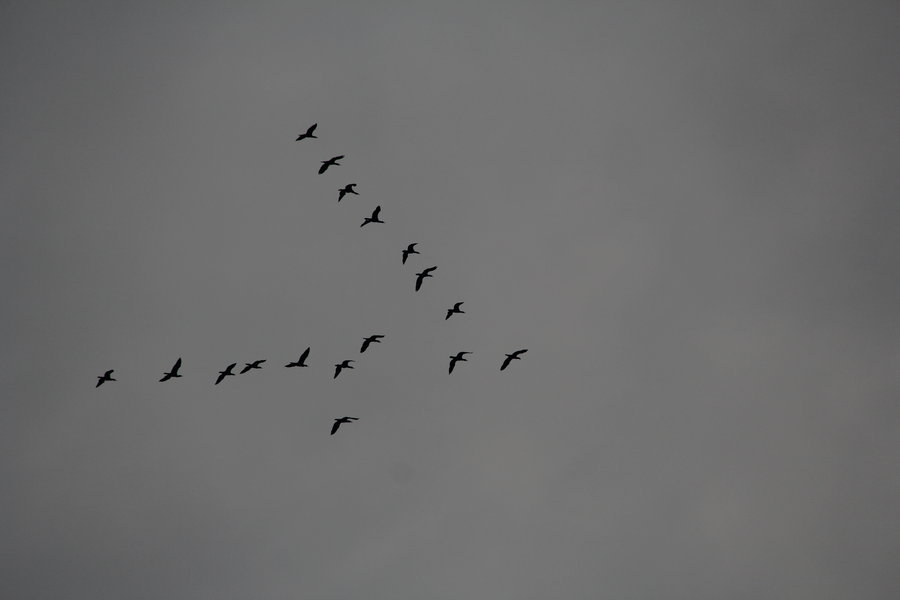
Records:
x=349, y=188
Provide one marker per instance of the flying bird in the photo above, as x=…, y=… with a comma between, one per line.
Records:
x=225, y=373
x=105, y=377
x=374, y=218
x=347, y=189
x=331, y=161
x=411, y=249
x=456, y=309
x=459, y=357
x=343, y=365
x=252, y=365
x=301, y=362
x=420, y=277
x=173, y=372
x=309, y=133
x=513, y=356
x=337, y=422
x=369, y=340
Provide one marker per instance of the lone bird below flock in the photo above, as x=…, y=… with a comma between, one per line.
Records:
x=411, y=249
x=309, y=133
x=347, y=189
x=374, y=218
x=105, y=377
x=459, y=357
x=342, y=365
x=511, y=357
x=366, y=341
x=301, y=362
x=173, y=372
x=252, y=365
x=331, y=161
x=420, y=277
x=456, y=309
x=337, y=422
x=225, y=373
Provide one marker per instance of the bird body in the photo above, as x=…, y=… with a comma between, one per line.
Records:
x=173, y=372
x=337, y=422
x=366, y=341
x=256, y=364
x=411, y=249
x=309, y=133
x=511, y=357
x=456, y=309
x=340, y=366
x=460, y=356
x=420, y=277
x=331, y=161
x=347, y=189
x=225, y=373
x=105, y=377
x=374, y=218
x=301, y=362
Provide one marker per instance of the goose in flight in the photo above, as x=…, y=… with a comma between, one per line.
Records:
x=173, y=372
x=420, y=277
x=342, y=365
x=337, y=422
x=460, y=356
x=225, y=373
x=309, y=133
x=374, y=218
x=301, y=362
x=411, y=249
x=105, y=377
x=252, y=365
x=366, y=341
x=456, y=309
x=331, y=161
x=511, y=357
x=347, y=189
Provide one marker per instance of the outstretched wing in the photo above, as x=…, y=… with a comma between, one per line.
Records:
x=303, y=356
x=452, y=363
x=376, y=212
x=518, y=352
x=337, y=371
x=246, y=368
x=419, y=279
x=430, y=269
x=323, y=168
x=108, y=374
x=176, y=367
x=220, y=378
x=449, y=312
x=311, y=129
x=335, y=426
x=405, y=256
x=505, y=363
x=365, y=345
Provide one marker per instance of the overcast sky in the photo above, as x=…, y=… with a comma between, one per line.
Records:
x=686, y=211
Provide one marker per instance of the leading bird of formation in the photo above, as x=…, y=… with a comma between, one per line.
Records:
x=350, y=188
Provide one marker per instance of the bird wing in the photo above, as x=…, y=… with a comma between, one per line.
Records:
x=100, y=381
x=518, y=352
x=430, y=269
x=246, y=368
x=419, y=279
x=304, y=355
x=412, y=246
x=323, y=168
x=311, y=129
x=165, y=377
x=341, y=194
x=376, y=211
x=449, y=312
x=457, y=305
x=108, y=374
x=365, y=345
x=220, y=378
x=336, y=158
x=176, y=367
x=335, y=426
x=405, y=256
x=452, y=363
x=337, y=371
x=505, y=363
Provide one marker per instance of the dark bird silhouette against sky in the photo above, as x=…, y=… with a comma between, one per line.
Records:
x=256, y=364
x=420, y=277
x=411, y=249
x=331, y=161
x=309, y=133
x=337, y=422
x=301, y=362
x=105, y=377
x=225, y=373
x=374, y=218
x=456, y=309
x=511, y=357
x=459, y=357
x=173, y=372
x=347, y=189
x=342, y=365
x=366, y=341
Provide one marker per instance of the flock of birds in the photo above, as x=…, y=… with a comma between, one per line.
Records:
x=350, y=188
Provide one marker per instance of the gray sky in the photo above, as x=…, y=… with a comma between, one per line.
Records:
x=687, y=211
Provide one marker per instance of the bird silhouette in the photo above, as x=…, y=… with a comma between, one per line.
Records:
x=343, y=365
x=225, y=373
x=331, y=161
x=374, y=218
x=301, y=362
x=420, y=277
x=456, y=309
x=511, y=357
x=411, y=249
x=366, y=341
x=252, y=365
x=173, y=372
x=459, y=357
x=347, y=189
x=105, y=377
x=337, y=422
x=309, y=133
